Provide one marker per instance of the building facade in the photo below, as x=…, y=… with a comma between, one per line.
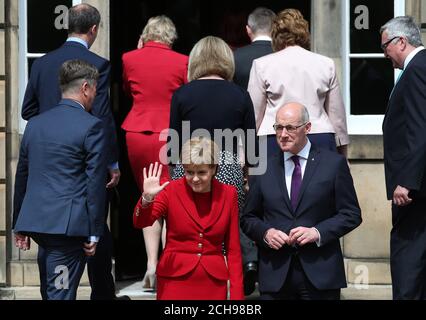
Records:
x=345, y=30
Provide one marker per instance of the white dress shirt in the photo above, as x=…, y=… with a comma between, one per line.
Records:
x=289, y=164
x=289, y=168
x=411, y=56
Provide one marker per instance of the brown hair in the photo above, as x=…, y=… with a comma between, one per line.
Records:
x=290, y=29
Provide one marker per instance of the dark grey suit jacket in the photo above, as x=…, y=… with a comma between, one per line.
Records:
x=43, y=92
x=327, y=201
x=244, y=57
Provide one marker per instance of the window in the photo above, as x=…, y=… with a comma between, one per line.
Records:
x=368, y=75
x=41, y=29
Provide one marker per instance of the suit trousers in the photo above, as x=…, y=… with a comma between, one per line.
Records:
x=99, y=266
x=408, y=251
x=298, y=287
x=99, y=269
x=61, y=262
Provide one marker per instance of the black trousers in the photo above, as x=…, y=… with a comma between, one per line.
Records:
x=99, y=269
x=408, y=251
x=298, y=287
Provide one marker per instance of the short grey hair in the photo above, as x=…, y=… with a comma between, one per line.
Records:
x=160, y=28
x=260, y=20
x=403, y=26
x=73, y=73
x=305, y=114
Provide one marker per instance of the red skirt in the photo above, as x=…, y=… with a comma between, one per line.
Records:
x=196, y=285
x=144, y=149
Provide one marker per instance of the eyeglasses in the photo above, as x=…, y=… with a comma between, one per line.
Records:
x=385, y=45
x=289, y=128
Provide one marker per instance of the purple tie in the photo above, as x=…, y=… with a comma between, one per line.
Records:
x=296, y=181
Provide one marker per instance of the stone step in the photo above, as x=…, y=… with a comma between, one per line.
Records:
x=134, y=290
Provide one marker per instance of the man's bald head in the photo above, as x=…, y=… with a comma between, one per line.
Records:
x=292, y=126
x=291, y=109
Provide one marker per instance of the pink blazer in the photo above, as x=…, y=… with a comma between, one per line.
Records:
x=298, y=75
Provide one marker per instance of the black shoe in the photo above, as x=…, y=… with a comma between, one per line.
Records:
x=250, y=277
x=121, y=298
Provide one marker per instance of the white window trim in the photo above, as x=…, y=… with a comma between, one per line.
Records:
x=24, y=55
x=361, y=124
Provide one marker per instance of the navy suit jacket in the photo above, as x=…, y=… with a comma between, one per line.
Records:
x=43, y=91
x=244, y=57
x=327, y=201
x=60, y=179
x=404, y=135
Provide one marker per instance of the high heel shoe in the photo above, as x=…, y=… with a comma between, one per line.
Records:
x=149, y=280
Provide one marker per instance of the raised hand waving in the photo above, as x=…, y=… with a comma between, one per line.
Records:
x=151, y=182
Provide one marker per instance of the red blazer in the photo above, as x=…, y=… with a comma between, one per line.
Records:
x=189, y=243
x=150, y=76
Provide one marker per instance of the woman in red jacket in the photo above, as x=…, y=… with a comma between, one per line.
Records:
x=150, y=76
x=202, y=216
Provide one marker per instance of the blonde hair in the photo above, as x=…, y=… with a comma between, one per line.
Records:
x=200, y=150
x=290, y=29
x=211, y=55
x=159, y=28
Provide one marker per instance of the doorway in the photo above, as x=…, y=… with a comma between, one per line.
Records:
x=194, y=19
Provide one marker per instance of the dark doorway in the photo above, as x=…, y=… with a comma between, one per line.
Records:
x=194, y=19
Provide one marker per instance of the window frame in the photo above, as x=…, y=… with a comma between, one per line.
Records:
x=361, y=124
x=24, y=56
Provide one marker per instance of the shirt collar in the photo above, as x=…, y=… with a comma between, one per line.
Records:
x=79, y=104
x=411, y=56
x=304, y=153
x=81, y=41
x=262, y=38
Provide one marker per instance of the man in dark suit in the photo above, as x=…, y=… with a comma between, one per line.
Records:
x=258, y=28
x=404, y=142
x=43, y=93
x=297, y=211
x=60, y=183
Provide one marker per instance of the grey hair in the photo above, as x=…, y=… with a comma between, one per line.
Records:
x=403, y=26
x=305, y=114
x=260, y=20
x=160, y=28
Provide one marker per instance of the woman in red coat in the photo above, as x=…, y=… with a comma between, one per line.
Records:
x=202, y=216
x=150, y=76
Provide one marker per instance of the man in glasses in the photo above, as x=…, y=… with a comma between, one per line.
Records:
x=297, y=212
x=404, y=139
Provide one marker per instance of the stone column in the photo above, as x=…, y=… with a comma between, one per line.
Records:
x=101, y=45
x=2, y=148
x=366, y=250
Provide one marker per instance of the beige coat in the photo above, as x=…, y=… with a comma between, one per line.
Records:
x=298, y=75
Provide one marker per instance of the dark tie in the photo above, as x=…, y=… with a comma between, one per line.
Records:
x=296, y=181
